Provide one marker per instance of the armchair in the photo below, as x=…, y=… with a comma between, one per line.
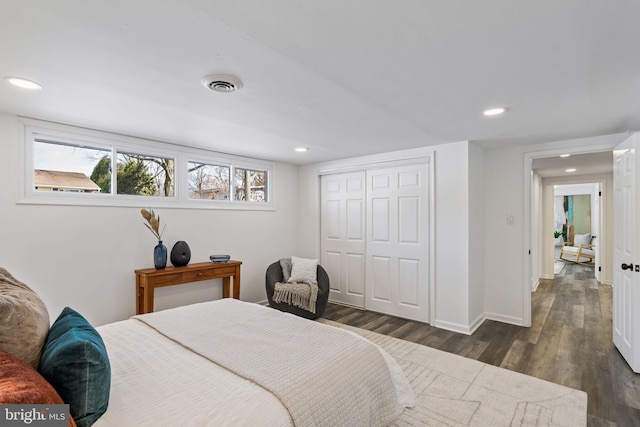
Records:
x=274, y=274
x=579, y=250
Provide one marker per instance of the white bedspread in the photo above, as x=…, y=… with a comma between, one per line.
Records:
x=157, y=382
x=320, y=374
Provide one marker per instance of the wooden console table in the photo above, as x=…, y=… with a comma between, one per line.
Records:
x=149, y=278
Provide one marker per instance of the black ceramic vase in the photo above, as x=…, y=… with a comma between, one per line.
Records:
x=160, y=256
x=180, y=254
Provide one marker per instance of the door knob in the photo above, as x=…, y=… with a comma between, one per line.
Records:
x=627, y=266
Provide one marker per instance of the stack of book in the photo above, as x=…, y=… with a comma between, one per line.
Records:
x=219, y=258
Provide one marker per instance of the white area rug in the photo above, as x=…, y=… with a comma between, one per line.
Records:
x=452, y=390
x=558, y=266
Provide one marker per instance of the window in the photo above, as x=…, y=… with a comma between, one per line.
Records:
x=65, y=166
x=208, y=181
x=69, y=165
x=145, y=175
x=250, y=185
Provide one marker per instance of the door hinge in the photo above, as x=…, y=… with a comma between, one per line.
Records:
x=599, y=268
x=600, y=193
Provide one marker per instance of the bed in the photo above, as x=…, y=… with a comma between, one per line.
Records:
x=232, y=363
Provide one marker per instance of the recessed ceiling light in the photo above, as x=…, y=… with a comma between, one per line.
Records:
x=565, y=155
x=570, y=170
x=301, y=149
x=494, y=111
x=23, y=83
x=222, y=83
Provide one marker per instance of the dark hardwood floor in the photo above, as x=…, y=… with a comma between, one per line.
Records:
x=569, y=343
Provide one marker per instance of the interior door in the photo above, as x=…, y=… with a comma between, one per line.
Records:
x=626, y=235
x=397, y=276
x=342, y=229
x=596, y=220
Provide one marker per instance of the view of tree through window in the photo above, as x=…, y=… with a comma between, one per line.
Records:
x=249, y=185
x=208, y=181
x=145, y=175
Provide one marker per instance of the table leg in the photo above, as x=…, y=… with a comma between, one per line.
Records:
x=236, y=283
x=148, y=300
x=226, y=287
x=139, y=298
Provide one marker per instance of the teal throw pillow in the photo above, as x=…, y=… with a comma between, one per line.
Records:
x=75, y=362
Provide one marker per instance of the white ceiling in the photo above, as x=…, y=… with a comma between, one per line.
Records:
x=584, y=164
x=343, y=78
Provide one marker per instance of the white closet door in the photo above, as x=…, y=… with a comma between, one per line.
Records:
x=343, y=236
x=397, y=276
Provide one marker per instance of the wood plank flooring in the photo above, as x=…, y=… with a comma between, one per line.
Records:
x=569, y=343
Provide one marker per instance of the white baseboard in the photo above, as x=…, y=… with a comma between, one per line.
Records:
x=453, y=327
x=348, y=305
x=477, y=322
x=535, y=285
x=504, y=319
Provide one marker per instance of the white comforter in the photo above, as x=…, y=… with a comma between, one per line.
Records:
x=308, y=373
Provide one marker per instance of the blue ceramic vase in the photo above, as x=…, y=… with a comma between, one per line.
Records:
x=160, y=256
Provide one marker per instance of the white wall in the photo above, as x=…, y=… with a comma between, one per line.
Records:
x=452, y=244
x=84, y=257
x=476, y=236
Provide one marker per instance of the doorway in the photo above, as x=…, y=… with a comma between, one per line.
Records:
x=548, y=165
x=576, y=220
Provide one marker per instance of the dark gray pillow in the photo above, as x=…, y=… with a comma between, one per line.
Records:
x=285, y=264
x=25, y=320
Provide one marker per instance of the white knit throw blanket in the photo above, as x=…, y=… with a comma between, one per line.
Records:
x=323, y=376
x=301, y=295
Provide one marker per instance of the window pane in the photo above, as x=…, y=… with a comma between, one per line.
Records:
x=145, y=175
x=61, y=166
x=208, y=181
x=251, y=183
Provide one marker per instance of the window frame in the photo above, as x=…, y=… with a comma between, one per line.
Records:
x=115, y=143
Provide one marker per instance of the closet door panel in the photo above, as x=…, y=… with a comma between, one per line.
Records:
x=397, y=267
x=342, y=228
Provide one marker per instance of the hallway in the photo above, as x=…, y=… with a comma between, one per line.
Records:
x=569, y=343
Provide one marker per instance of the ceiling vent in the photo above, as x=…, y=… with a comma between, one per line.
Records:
x=222, y=83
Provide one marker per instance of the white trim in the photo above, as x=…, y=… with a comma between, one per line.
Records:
x=462, y=329
x=26, y=194
x=432, y=238
x=477, y=323
x=504, y=319
x=375, y=160
x=453, y=327
x=535, y=286
x=376, y=165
